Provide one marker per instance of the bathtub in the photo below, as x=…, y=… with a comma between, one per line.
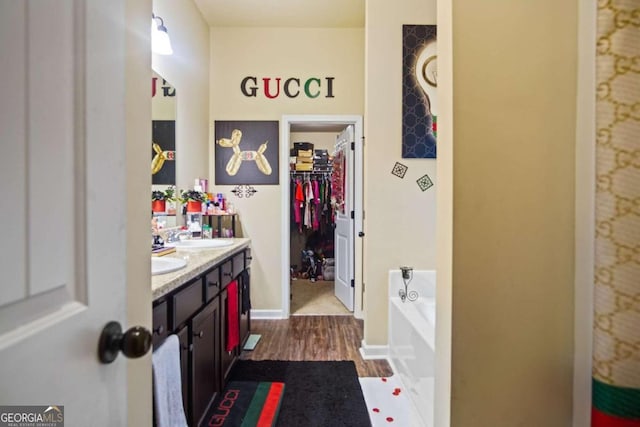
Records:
x=412, y=342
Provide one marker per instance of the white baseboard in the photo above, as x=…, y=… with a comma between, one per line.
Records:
x=370, y=352
x=267, y=314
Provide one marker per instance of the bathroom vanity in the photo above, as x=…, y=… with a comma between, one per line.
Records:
x=193, y=303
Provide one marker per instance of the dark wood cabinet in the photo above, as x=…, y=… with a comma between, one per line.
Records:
x=186, y=301
x=185, y=359
x=227, y=356
x=197, y=312
x=244, y=287
x=160, y=323
x=226, y=273
x=212, y=284
x=206, y=350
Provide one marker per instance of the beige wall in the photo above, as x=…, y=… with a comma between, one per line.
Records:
x=400, y=218
x=273, y=52
x=514, y=102
x=188, y=71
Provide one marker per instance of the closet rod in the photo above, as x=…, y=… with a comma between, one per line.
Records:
x=310, y=172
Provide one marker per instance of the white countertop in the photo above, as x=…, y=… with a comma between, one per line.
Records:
x=198, y=261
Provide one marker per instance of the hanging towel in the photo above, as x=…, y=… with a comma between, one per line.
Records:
x=233, y=330
x=167, y=385
x=246, y=291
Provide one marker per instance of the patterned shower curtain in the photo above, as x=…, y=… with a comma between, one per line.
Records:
x=616, y=357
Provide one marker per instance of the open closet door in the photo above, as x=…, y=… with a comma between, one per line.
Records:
x=342, y=190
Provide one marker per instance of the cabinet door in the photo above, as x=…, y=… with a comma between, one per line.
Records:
x=212, y=284
x=160, y=323
x=185, y=356
x=226, y=273
x=187, y=301
x=227, y=356
x=243, y=292
x=206, y=348
x=238, y=264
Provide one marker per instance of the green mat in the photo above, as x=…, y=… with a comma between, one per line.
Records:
x=252, y=341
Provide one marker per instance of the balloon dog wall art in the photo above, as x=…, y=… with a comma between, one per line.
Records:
x=246, y=152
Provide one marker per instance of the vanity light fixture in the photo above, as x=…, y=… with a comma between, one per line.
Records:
x=160, y=42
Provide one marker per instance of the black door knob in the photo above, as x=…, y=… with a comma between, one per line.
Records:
x=135, y=342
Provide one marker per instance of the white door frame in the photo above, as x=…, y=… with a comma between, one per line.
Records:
x=285, y=130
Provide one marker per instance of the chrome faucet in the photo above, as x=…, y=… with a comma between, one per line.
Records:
x=174, y=235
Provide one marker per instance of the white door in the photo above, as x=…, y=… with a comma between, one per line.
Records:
x=344, y=232
x=62, y=181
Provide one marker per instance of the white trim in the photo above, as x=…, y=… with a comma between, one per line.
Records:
x=372, y=352
x=444, y=216
x=267, y=314
x=285, y=126
x=358, y=207
x=284, y=215
x=584, y=213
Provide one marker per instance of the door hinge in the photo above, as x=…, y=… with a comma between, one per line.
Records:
x=353, y=283
x=353, y=146
x=363, y=215
x=353, y=214
x=362, y=287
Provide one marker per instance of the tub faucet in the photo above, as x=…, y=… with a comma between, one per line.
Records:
x=407, y=277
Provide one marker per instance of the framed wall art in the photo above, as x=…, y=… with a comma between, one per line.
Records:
x=246, y=152
x=419, y=84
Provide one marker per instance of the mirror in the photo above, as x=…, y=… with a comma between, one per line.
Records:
x=163, y=145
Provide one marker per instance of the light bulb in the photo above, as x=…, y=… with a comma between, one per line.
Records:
x=427, y=75
x=160, y=42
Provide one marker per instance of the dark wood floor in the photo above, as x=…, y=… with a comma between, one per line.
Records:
x=314, y=338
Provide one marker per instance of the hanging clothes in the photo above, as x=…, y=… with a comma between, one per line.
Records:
x=316, y=205
x=311, y=204
x=298, y=202
x=308, y=203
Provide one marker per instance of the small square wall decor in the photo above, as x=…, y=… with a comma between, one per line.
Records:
x=419, y=84
x=399, y=170
x=424, y=182
x=246, y=152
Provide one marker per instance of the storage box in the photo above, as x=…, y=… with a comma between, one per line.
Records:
x=306, y=167
x=322, y=155
x=305, y=153
x=303, y=146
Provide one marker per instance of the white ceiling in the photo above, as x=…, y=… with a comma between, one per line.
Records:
x=283, y=13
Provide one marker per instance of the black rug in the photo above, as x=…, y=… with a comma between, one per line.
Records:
x=316, y=394
x=246, y=404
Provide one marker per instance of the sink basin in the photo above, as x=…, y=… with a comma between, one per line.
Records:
x=162, y=265
x=201, y=244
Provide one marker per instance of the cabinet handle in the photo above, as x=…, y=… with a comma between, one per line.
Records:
x=188, y=347
x=199, y=334
x=210, y=283
x=159, y=330
x=226, y=274
x=249, y=257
